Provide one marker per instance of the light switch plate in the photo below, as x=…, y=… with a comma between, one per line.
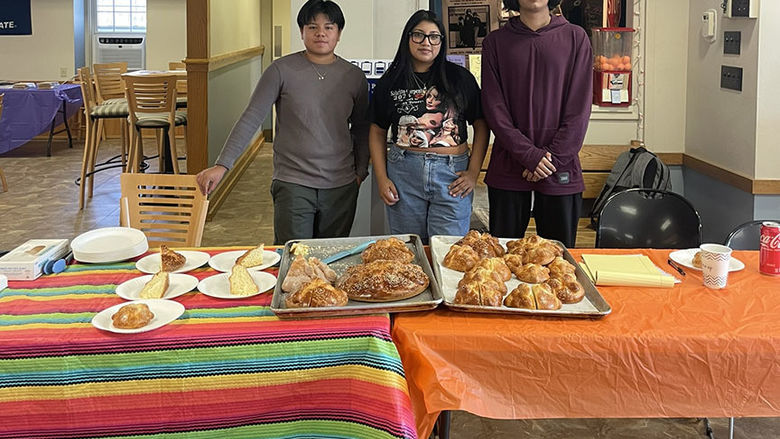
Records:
x=732, y=42
x=731, y=78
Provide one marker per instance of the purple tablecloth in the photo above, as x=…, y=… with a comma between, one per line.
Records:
x=28, y=113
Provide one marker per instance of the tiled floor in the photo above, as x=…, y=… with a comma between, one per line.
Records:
x=42, y=202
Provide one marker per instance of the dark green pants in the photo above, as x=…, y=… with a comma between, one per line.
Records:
x=302, y=212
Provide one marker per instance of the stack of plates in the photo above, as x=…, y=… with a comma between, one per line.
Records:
x=110, y=244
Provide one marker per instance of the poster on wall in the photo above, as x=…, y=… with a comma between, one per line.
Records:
x=468, y=22
x=15, y=18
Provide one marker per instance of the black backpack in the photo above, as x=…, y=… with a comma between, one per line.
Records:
x=635, y=168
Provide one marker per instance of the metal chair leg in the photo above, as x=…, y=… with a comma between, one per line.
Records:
x=731, y=428
x=443, y=424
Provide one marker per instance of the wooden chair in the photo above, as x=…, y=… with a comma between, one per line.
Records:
x=95, y=114
x=2, y=175
x=152, y=104
x=181, y=84
x=109, y=83
x=169, y=209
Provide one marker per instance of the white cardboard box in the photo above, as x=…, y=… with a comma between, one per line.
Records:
x=26, y=261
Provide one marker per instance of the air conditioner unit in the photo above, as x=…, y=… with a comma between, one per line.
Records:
x=116, y=48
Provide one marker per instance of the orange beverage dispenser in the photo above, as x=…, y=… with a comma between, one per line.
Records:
x=612, y=65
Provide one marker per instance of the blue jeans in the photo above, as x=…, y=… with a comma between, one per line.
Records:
x=425, y=206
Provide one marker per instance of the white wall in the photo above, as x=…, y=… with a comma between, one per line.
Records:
x=166, y=23
x=666, y=43
x=46, y=53
x=768, y=111
x=721, y=124
x=235, y=25
x=372, y=30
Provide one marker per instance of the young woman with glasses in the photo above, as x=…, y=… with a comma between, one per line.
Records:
x=427, y=176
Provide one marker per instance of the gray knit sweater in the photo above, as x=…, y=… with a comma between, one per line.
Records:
x=321, y=126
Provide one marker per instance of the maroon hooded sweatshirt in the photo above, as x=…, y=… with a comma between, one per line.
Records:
x=536, y=97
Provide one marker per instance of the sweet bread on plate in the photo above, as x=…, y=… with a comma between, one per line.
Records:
x=252, y=258
x=132, y=316
x=383, y=281
x=241, y=282
x=316, y=293
x=391, y=249
x=170, y=260
x=696, y=261
x=156, y=287
x=460, y=258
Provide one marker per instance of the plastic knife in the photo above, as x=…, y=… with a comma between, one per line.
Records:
x=349, y=252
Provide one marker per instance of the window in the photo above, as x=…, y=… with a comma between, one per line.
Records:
x=121, y=16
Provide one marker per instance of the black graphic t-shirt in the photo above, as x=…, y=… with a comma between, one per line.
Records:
x=422, y=116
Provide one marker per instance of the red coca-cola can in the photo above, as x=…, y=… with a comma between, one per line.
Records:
x=769, y=258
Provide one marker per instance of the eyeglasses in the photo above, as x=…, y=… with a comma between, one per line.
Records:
x=419, y=37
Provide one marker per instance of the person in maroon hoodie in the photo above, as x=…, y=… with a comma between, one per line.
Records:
x=536, y=98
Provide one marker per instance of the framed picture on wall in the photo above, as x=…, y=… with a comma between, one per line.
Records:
x=15, y=18
x=468, y=23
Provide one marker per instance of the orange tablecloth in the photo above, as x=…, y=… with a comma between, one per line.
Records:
x=680, y=352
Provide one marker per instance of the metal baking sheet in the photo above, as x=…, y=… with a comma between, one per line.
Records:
x=592, y=305
x=321, y=248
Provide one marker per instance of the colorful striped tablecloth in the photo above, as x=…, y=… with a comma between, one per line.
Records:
x=226, y=368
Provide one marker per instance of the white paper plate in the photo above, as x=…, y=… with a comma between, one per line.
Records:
x=151, y=263
x=165, y=311
x=224, y=262
x=110, y=244
x=178, y=284
x=685, y=258
x=219, y=286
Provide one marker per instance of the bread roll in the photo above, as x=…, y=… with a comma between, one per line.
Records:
x=316, y=293
x=132, y=316
x=460, y=258
x=391, y=249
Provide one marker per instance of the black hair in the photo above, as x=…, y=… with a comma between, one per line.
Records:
x=401, y=71
x=514, y=5
x=312, y=8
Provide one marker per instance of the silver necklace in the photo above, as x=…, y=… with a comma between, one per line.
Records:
x=320, y=75
x=419, y=82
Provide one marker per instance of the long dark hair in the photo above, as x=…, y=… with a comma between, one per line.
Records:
x=401, y=72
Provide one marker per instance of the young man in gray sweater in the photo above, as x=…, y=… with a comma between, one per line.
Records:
x=321, y=145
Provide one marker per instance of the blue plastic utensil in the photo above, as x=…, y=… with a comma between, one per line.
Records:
x=343, y=254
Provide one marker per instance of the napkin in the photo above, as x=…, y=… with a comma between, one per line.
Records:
x=626, y=270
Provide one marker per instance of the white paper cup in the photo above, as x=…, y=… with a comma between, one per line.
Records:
x=715, y=260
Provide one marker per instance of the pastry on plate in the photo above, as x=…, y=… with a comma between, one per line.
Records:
x=132, y=316
x=316, y=293
x=696, y=261
x=170, y=260
x=241, y=282
x=252, y=258
x=460, y=258
x=156, y=287
x=383, y=281
x=303, y=270
x=391, y=249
